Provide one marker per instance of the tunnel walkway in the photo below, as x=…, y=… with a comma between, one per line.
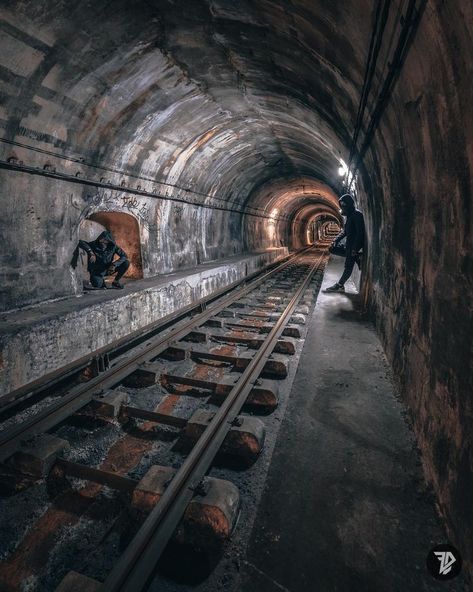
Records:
x=345, y=507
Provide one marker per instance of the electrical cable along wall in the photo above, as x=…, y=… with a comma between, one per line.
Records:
x=380, y=20
x=409, y=24
x=414, y=180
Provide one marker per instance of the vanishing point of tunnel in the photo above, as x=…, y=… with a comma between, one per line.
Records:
x=217, y=373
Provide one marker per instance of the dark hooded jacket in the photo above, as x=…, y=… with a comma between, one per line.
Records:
x=354, y=229
x=104, y=256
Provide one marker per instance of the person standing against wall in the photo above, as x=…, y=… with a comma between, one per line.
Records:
x=354, y=233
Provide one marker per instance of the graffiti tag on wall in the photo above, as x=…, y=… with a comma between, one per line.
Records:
x=111, y=200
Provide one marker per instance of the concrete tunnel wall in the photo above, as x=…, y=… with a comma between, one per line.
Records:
x=219, y=105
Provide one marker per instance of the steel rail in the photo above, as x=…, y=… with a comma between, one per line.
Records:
x=83, y=394
x=136, y=566
x=48, y=381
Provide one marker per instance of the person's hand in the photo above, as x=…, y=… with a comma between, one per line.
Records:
x=93, y=258
x=354, y=253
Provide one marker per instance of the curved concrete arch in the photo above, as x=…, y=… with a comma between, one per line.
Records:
x=302, y=219
x=286, y=201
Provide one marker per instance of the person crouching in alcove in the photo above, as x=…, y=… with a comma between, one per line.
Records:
x=100, y=260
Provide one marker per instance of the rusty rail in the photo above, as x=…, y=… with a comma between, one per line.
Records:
x=83, y=394
x=135, y=568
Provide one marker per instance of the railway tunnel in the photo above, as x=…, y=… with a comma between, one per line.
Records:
x=214, y=139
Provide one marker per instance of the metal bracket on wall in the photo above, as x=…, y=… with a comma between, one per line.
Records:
x=100, y=364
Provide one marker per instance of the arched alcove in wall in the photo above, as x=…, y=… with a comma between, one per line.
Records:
x=126, y=233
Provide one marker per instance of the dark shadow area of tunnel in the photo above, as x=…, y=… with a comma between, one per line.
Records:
x=357, y=313
x=184, y=564
x=324, y=411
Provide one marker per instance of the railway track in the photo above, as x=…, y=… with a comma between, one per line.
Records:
x=232, y=353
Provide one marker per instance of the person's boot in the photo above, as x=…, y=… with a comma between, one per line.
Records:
x=117, y=285
x=90, y=286
x=335, y=288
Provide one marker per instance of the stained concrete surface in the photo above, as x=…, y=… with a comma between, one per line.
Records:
x=345, y=507
x=39, y=340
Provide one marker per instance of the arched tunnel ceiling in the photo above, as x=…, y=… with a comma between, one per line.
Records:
x=220, y=97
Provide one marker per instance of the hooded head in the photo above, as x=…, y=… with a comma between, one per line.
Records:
x=347, y=204
x=105, y=238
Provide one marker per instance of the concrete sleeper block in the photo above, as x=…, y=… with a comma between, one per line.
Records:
x=76, y=582
x=298, y=319
x=108, y=403
x=174, y=354
x=244, y=440
x=215, y=322
x=227, y=313
x=37, y=455
x=196, y=337
x=263, y=397
x=210, y=516
x=144, y=376
x=285, y=346
x=149, y=490
x=291, y=331
x=275, y=368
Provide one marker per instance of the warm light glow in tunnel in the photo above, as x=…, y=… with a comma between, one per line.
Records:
x=224, y=164
x=293, y=205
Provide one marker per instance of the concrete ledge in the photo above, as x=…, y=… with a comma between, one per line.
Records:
x=39, y=340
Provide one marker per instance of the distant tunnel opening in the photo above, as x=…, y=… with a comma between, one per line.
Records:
x=321, y=226
x=291, y=207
